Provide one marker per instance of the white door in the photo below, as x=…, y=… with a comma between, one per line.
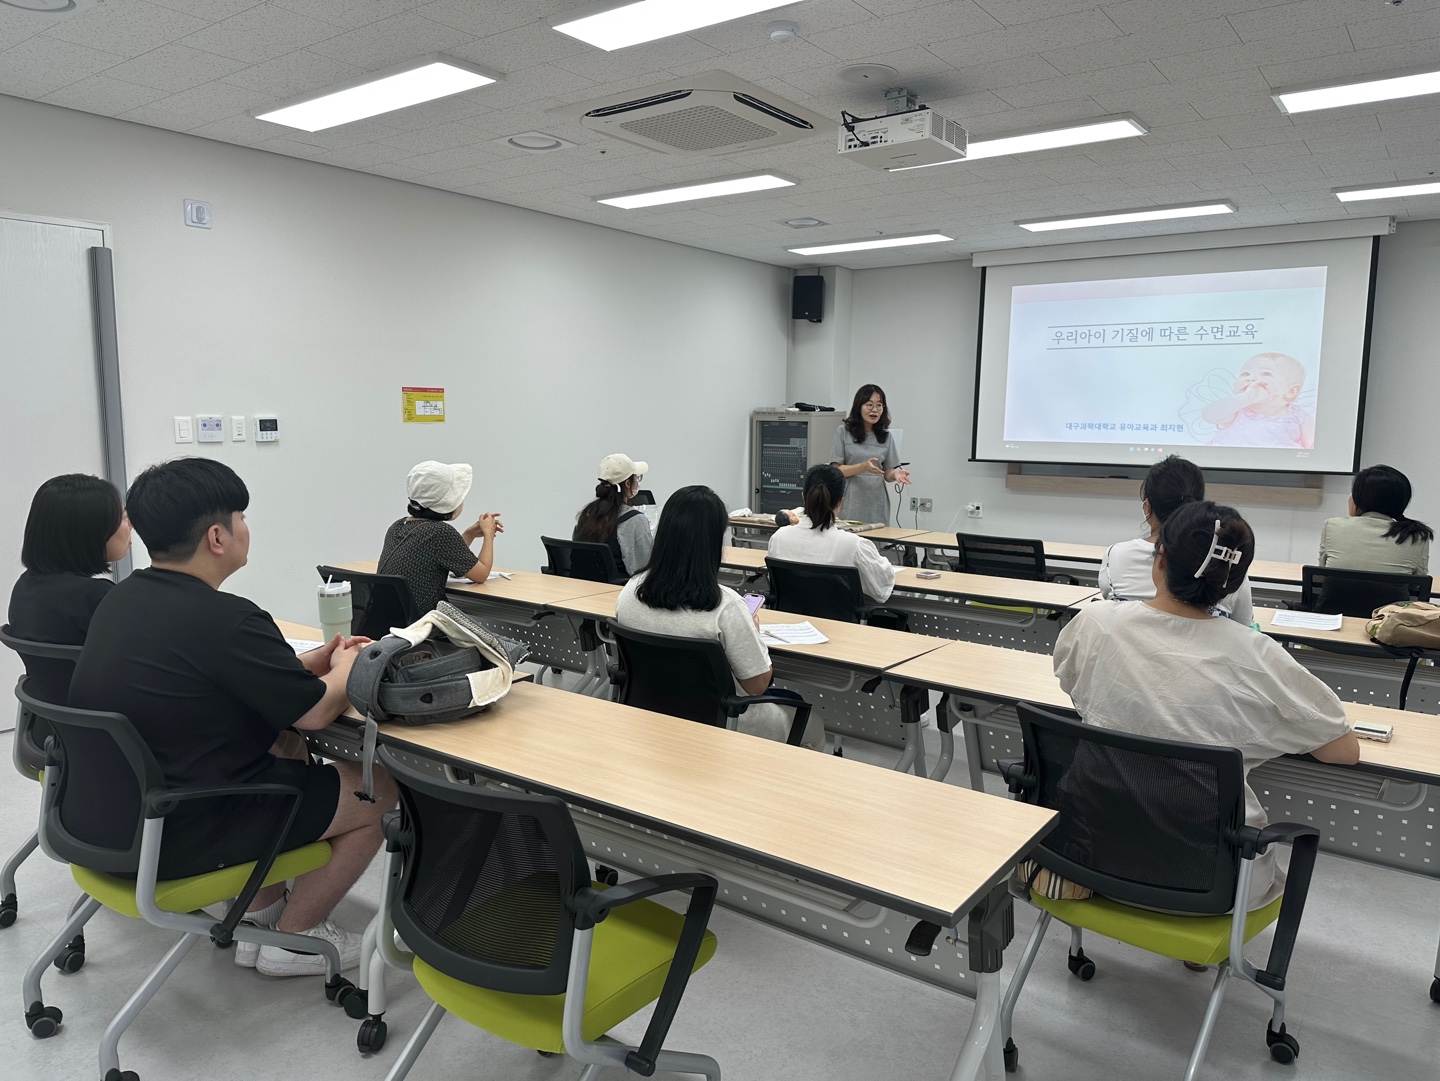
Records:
x=50, y=402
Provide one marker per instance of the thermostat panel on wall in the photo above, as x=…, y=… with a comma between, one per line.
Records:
x=267, y=428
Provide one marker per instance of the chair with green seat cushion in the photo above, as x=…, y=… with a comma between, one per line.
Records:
x=492, y=891
x=102, y=756
x=1156, y=829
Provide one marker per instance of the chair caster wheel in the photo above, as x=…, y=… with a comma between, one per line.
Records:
x=1081, y=966
x=546, y=1054
x=114, y=1074
x=70, y=960
x=371, y=1036
x=355, y=1002
x=1012, y=1056
x=608, y=875
x=1284, y=1048
x=1435, y=990
x=43, y=1021
x=337, y=989
x=9, y=910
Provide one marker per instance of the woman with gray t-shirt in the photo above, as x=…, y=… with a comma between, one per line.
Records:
x=868, y=457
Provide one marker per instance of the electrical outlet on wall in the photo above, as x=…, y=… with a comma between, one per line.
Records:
x=974, y=510
x=921, y=504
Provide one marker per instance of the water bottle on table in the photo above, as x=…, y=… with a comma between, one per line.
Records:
x=335, y=610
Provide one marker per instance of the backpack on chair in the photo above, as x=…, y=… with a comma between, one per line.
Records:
x=442, y=667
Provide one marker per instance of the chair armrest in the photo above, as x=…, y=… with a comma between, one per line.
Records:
x=737, y=704
x=592, y=905
x=888, y=618
x=395, y=833
x=161, y=801
x=1304, y=842
x=1013, y=770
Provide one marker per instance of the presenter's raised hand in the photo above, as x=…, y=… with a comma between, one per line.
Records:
x=901, y=476
x=872, y=466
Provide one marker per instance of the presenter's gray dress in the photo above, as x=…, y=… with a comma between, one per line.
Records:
x=867, y=498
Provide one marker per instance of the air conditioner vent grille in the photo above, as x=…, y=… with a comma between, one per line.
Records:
x=697, y=129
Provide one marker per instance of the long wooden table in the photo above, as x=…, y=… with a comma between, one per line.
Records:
x=926, y=851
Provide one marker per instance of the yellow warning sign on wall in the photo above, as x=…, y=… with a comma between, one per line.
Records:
x=422, y=405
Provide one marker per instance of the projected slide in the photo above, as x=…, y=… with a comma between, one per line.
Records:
x=1228, y=359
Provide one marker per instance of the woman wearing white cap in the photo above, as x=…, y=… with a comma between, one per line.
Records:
x=609, y=518
x=423, y=548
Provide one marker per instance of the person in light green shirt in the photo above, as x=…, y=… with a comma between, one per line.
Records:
x=1377, y=536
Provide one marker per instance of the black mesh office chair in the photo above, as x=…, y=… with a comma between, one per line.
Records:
x=98, y=760
x=1358, y=593
x=581, y=559
x=827, y=592
x=643, y=498
x=1159, y=824
x=689, y=678
x=1001, y=557
x=377, y=601
x=49, y=667
x=491, y=890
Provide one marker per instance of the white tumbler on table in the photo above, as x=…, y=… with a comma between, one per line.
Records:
x=335, y=609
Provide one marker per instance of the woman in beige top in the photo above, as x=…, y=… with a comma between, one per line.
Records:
x=1377, y=536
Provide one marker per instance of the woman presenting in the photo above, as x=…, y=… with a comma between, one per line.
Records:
x=867, y=456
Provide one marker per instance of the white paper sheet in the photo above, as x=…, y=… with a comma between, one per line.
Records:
x=1314, y=621
x=302, y=645
x=793, y=634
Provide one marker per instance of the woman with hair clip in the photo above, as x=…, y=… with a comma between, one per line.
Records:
x=814, y=539
x=76, y=528
x=610, y=519
x=1165, y=668
x=867, y=457
x=680, y=594
x=423, y=548
x=1377, y=536
x=1125, y=571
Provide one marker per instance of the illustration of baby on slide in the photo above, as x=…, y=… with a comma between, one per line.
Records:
x=1266, y=405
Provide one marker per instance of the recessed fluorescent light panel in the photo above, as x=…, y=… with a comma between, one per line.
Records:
x=1091, y=131
x=1337, y=95
x=1124, y=217
x=705, y=189
x=1388, y=191
x=879, y=242
x=614, y=25
x=399, y=87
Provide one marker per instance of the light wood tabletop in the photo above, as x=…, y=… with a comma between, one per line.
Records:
x=745, y=559
x=1414, y=749
x=1074, y=553
x=522, y=587
x=891, y=533
x=929, y=850
x=1351, y=632
x=1010, y=675
x=984, y=587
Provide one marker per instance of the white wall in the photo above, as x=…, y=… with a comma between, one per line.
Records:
x=321, y=292
x=913, y=331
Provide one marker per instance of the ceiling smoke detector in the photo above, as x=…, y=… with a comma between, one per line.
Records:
x=533, y=142
x=803, y=223
x=869, y=75
x=782, y=30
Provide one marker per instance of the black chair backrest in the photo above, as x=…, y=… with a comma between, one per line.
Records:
x=815, y=589
x=1001, y=557
x=581, y=559
x=1142, y=821
x=1358, y=593
x=682, y=677
x=486, y=880
x=643, y=498
x=377, y=601
x=105, y=769
x=49, y=666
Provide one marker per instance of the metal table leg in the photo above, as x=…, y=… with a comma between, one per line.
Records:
x=991, y=927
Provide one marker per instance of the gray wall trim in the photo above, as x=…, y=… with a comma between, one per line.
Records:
x=107, y=368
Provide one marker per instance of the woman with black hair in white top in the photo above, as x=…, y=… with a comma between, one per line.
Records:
x=816, y=539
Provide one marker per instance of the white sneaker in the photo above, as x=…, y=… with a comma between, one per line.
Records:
x=278, y=961
x=247, y=952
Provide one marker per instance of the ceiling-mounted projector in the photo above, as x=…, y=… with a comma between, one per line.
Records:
x=911, y=135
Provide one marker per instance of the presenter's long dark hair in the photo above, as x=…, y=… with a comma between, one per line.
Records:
x=855, y=422
x=1385, y=489
x=684, y=570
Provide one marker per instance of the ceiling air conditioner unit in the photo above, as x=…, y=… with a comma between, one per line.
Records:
x=712, y=113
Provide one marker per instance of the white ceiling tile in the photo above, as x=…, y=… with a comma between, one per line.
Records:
x=812, y=17
x=1400, y=27
x=129, y=29
x=1077, y=28
x=259, y=34
x=17, y=25
x=293, y=148
x=348, y=14
x=1095, y=83
x=1425, y=117
x=1346, y=65
x=175, y=67
x=1306, y=46
x=21, y=87
x=1136, y=15
x=346, y=136
x=392, y=41
x=535, y=43
x=761, y=63
x=482, y=156
x=202, y=104
x=210, y=10
x=361, y=157
x=292, y=74
x=104, y=96
x=1194, y=37
x=1296, y=18
x=492, y=17
x=641, y=60
x=1003, y=74
x=241, y=129
x=52, y=63
x=1056, y=112
x=942, y=23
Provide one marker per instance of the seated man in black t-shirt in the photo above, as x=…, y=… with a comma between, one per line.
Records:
x=209, y=682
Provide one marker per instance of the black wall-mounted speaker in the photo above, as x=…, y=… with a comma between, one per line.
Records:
x=807, y=297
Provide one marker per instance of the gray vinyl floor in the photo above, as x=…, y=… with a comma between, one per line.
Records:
x=769, y=1007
